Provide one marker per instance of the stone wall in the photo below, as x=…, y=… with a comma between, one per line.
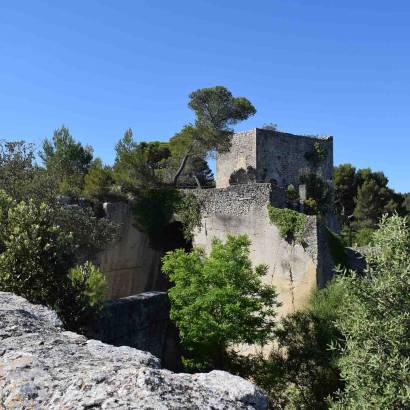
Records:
x=241, y=155
x=294, y=269
x=281, y=156
x=130, y=265
x=141, y=321
x=274, y=155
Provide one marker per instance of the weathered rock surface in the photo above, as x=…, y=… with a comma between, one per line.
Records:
x=44, y=367
x=141, y=321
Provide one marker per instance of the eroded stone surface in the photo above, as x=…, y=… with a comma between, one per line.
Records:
x=44, y=367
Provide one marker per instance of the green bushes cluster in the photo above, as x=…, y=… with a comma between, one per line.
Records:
x=291, y=224
x=347, y=349
x=374, y=320
x=219, y=300
x=40, y=248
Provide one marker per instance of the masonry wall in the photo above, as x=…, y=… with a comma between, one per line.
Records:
x=294, y=270
x=274, y=155
x=241, y=155
x=281, y=156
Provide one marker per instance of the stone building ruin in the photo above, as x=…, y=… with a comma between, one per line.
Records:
x=272, y=156
x=255, y=173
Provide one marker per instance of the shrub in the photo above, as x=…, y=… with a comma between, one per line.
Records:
x=39, y=244
x=218, y=300
x=316, y=155
x=85, y=293
x=363, y=236
x=188, y=210
x=374, y=320
x=311, y=207
x=291, y=224
x=36, y=253
x=291, y=193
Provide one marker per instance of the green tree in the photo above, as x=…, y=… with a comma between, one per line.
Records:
x=345, y=189
x=216, y=111
x=137, y=164
x=218, y=300
x=362, y=197
x=374, y=320
x=319, y=193
x=373, y=200
x=99, y=181
x=66, y=160
x=406, y=203
x=20, y=177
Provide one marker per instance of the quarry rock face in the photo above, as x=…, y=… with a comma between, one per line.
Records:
x=141, y=321
x=44, y=367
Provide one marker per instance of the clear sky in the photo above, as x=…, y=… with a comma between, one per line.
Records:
x=311, y=66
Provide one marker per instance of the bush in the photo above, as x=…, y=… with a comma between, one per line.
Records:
x=39, y=244
x=363, y=236
x=36, y=253
x=188, y=210
x=291, y=224
x=20, y=177
x=311, y=207
x=85, y=293
x=291, y=193
x=374, y=319
x=218, y=301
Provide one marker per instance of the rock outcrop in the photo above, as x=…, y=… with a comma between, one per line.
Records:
x=44, y=367
x=141, y=321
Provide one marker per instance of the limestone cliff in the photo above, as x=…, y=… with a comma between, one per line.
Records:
x=44, y=367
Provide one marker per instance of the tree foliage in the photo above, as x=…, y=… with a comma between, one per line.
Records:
x=99, y=181
x=361, y=198
x=39, y=244
x=218, y=300
x=291, y=224
x=20, y=177
x=66, y=160
x=137, y=164
x=216, y=111
x=374, y=319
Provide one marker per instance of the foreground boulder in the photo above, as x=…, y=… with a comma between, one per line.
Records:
x=44, y=367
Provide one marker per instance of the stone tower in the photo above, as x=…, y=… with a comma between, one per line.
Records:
x=263, y=155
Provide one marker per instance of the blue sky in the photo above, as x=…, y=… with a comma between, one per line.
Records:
x=311, y=66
